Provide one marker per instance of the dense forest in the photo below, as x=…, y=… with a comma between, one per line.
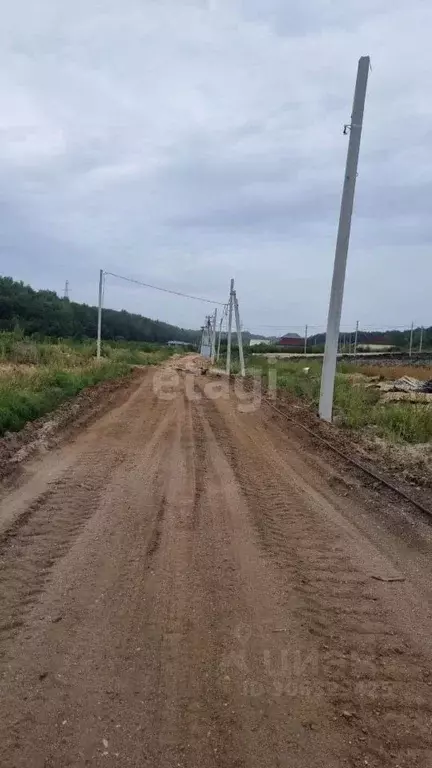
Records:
x=43, y=313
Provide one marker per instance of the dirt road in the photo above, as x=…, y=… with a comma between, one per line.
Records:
x=189, y=585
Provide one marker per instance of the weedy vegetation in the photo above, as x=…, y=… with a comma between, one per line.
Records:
x=35, y=377
x=356, y=406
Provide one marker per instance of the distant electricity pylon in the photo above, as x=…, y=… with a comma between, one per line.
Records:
x=342, y=243
x=66, y=289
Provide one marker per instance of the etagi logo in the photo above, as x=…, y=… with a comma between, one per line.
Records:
x=248, y=393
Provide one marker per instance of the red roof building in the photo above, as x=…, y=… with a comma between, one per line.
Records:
x=291, y=340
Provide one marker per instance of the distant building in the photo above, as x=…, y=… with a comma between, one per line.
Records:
x=291, y=340
x=255, y=342
x=178, y=343
x=375, y=347
x=374, y=342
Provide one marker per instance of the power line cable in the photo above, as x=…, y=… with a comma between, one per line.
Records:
x=164, y=290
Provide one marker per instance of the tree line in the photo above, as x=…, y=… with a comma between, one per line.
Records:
x=43, y=313
x=400, y=339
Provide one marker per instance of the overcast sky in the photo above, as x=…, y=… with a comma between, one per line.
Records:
x=184, y=143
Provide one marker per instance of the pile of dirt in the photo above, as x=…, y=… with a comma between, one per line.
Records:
x=195, y=364
x=408, y=389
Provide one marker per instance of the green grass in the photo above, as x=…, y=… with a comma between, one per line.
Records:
x=404, y=422
x=68, y=353
x=26, y=396
x=137, y=356
x=356, y=407
x=38, y=376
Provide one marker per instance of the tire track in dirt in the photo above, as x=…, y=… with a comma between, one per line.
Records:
x=141, y=483
x=194, y=457
x=267, y=679
x=200, y=462
x=186, y=709
x=33, y=545
x=48, y=528
x=154, y=541
x=367, y=670
x=208, y=719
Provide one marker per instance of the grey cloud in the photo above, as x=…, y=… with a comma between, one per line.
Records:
x=188, y=143
x=264, y=214
x=313, y=15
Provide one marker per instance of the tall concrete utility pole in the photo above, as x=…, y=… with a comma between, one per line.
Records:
x=230, y=314
x=206, y=339
x=99, y=325
x=356, y=338
x=411, y=339
x=342, y=243
x=220, y=334
x=239, y=336
x=305, y=340
x=213, y=340
x=421, y=339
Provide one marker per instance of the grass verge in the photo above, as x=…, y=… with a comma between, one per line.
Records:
x=355, y=407
x=35, y=377
x=25, y=396
x=68, y=353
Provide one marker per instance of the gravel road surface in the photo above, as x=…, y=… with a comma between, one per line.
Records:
x=189, y=584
